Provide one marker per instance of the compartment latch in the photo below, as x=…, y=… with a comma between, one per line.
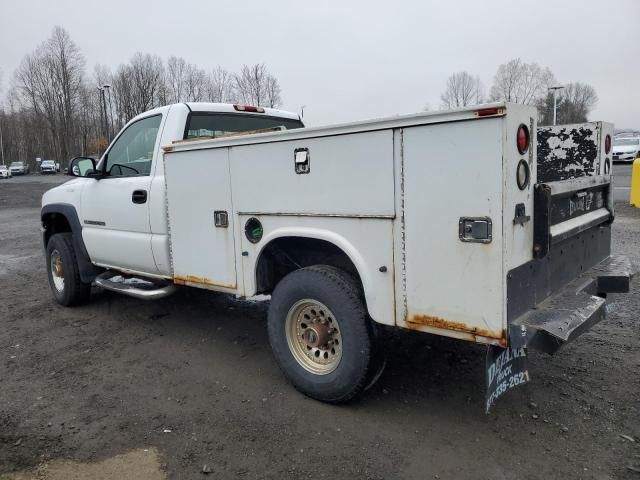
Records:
x=475, y=229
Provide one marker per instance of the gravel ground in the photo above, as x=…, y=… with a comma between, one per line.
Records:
x=191, y=377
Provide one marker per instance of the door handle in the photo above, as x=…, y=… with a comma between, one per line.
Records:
x=139, y=196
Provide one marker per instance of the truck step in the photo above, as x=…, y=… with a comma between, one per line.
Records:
x=143, y=288
x=574, y=309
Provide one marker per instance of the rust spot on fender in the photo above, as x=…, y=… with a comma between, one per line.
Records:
x=192, y=279
x=167, y=149
x=416, y=321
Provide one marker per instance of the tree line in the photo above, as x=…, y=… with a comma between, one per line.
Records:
x=53, y=109
x=527, y=83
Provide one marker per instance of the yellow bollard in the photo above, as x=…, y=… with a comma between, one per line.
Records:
x=634, y=199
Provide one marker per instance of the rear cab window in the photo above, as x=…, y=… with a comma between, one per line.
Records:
x=214, y=125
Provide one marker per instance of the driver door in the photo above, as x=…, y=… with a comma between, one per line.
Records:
x=115, y=208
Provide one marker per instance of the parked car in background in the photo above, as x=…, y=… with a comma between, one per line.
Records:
x=5, y=172
x=626, y=149
x=47, y=166
x=19, y=168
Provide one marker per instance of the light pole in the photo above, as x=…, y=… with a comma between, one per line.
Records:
x=103, y=110
x=1, y=144
x=555, y=101
x=107, y=87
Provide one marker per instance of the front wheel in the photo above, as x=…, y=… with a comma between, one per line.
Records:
x=63, y=273
x=320, y=333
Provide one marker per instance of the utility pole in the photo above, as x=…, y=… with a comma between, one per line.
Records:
x=103, y=111
x=302, y=111
x=555, y=101
x=1, y=144
x=103, y=123
x=110, y=130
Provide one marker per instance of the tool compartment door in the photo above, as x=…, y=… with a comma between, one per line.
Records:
x=198, y=185
x=453, y=171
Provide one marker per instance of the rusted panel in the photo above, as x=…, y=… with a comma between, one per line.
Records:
x=567, y=151
x=167, y=148
x=417, y=321
x=192, y=279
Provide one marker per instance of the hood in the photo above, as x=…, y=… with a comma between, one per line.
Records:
x=625, y=148
x=69, y=192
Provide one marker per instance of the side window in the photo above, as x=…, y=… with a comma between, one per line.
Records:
x=132, y=153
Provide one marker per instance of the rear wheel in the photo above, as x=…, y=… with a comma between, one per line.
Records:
x=63, y=273
x=320, y=333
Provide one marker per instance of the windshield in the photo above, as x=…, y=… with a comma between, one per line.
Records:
x=47, y=162
x=212, y=125
x=626, y=141
x=16, y=164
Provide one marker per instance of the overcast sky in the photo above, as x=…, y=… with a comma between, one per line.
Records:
x=348, y=60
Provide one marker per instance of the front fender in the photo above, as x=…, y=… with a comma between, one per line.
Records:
x=87, y=270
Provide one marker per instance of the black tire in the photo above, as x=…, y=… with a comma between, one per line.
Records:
x=73, y=291
x=378, y=354
x=339, y=292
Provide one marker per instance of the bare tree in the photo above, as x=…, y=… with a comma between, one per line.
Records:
x=574, y=103
x=462, y=89
x=195, y=84
x=175, y=79
x=578, y=100
x=221, y=86
x=519, y=82
x=147, y=73
x=273, y=92
x=53, y=110
x=254, y=85
x=49, y=82
x=138, y=86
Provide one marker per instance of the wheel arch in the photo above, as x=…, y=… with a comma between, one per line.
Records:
x=306, y=247
x=63, y=218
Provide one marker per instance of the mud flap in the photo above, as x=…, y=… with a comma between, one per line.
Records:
x=506, y=368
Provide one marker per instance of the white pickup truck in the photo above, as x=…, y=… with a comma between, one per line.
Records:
x=432, y=222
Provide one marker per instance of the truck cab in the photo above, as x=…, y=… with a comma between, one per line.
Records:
x=121, y=208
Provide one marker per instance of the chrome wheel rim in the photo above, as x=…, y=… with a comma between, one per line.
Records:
x=313, y=336
x=57, y=270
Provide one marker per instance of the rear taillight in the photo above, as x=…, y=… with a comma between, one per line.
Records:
x=523, y=139
x=523, y=174
x=607, y=144
x=248, y=108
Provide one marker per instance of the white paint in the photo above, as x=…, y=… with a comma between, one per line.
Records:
x=198, y=183
x=388, y=193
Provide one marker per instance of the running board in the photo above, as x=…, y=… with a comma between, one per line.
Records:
x=134, y=287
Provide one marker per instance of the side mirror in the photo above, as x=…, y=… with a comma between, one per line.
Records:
x=83, y=167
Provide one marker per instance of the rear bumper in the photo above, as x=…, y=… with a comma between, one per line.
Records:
x=625, y=157
x=573, y=309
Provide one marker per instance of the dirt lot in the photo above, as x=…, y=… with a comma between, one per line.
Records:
x=190, y=381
